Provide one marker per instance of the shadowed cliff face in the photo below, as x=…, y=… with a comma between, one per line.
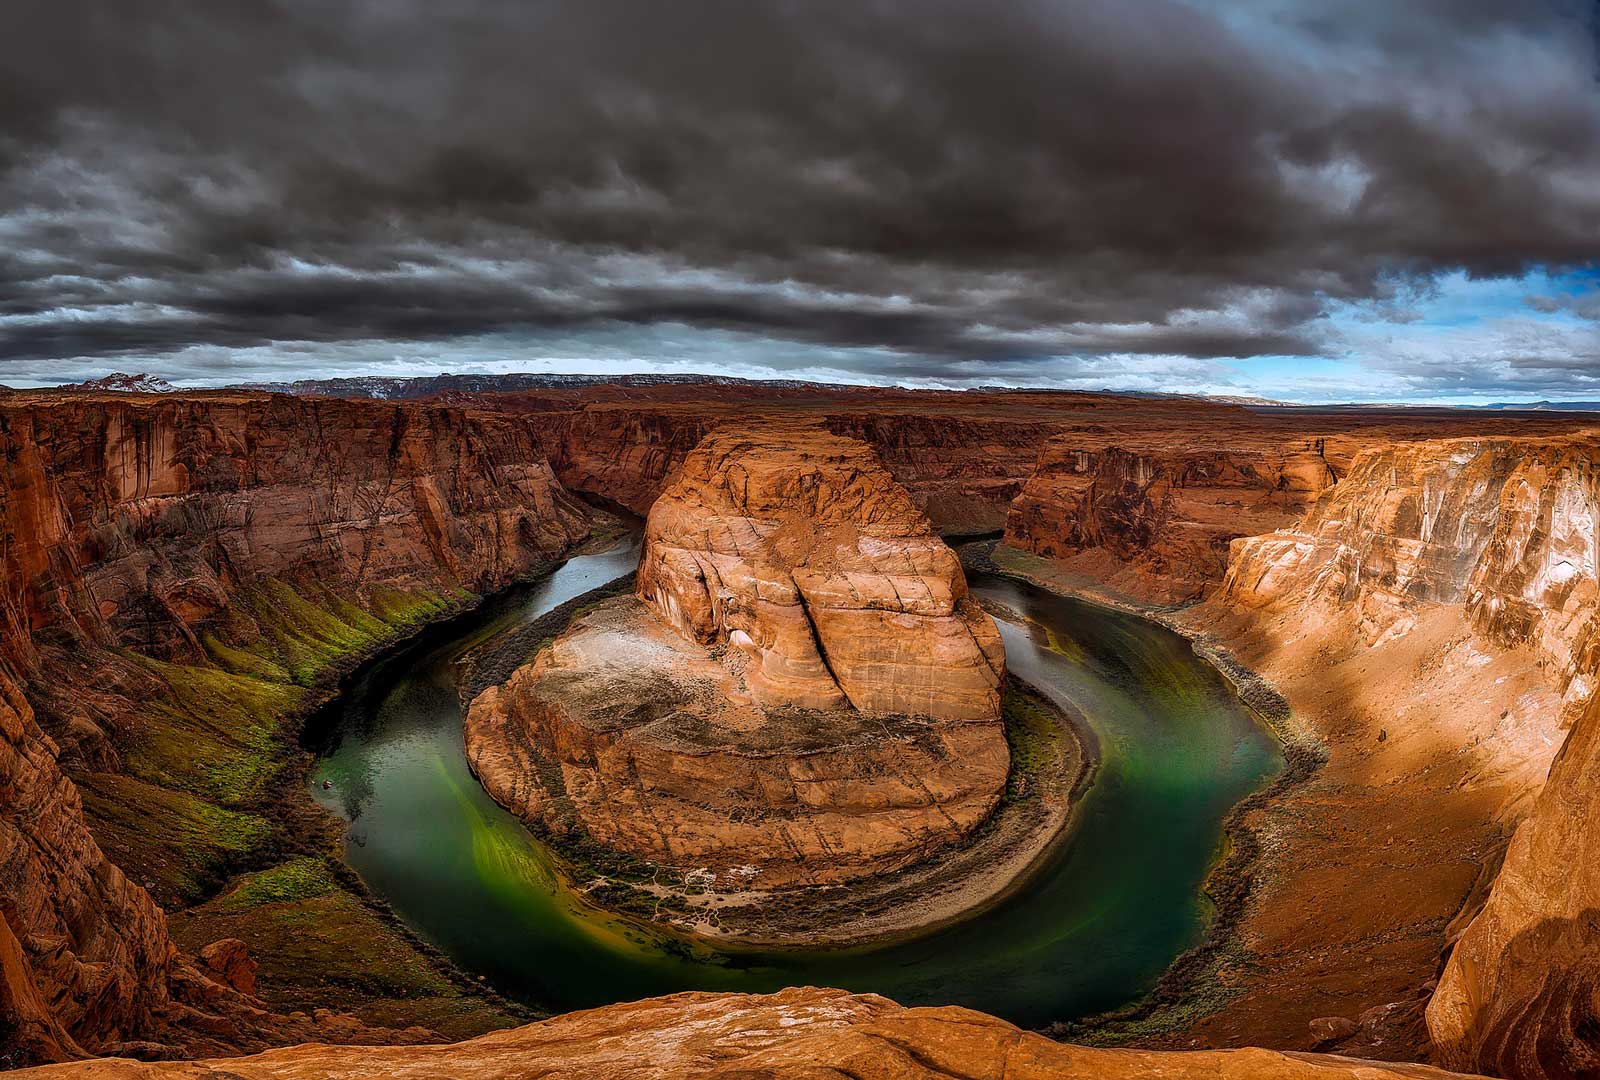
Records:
x=1169, y=515
x=1520, y=996
x=798, y=1034
x=159, y=553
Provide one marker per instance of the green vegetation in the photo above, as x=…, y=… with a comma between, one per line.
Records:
x=320, y=944
x=1032, y=734
x=213, y=754
x=173, y=838
x=297, y=879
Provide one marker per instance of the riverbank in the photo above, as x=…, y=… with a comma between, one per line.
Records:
x=1347, y=887
x=321, y=938
x=1199, y=981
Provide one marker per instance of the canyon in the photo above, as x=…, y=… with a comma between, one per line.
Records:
x=186, y=574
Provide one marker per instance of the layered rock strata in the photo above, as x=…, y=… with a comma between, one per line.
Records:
x=132, y=529
x=1520, y=996
x=646, y=742
x=798, y=1034
x=1163, y=517
x=805, y=694
x=1504, y=528
x=797, y=548
x=1427, y=618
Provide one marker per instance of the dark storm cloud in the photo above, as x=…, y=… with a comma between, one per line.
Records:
x=951, y=182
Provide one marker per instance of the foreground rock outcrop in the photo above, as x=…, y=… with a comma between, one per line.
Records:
x=805, y=695
x=798, y=1034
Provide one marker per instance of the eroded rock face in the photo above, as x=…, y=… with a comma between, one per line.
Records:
x=798, y=1034
x=648, y=743
x=83, y=949
x=1520, y=996
x=130, y=526
x=1166, y=515
x=1504, y=527
x=797, y=547
x=802, y=692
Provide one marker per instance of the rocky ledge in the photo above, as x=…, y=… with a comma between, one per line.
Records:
x=798, y=1034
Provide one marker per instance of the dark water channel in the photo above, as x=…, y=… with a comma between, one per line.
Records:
x=1093, y=928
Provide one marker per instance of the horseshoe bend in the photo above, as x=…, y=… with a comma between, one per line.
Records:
x=1315, y=686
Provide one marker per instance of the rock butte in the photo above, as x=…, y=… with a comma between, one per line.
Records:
x=1420, y=584
x=806, y=693
x=798, y=548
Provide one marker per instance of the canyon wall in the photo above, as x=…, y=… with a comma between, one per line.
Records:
x=1156, y=520
x=1430, y=618
x=1504, y=528
x=1520, y=996
x=797, y=1034
x=798, y=548
x=176, y=572
x=961, y=470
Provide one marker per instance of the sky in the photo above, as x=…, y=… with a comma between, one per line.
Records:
x=1334, y=200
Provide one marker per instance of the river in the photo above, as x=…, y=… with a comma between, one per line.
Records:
x=1093, y=928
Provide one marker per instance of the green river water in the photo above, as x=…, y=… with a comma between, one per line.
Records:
x=1094, y=926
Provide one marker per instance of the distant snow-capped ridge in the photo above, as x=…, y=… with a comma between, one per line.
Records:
x=401, y=386
x=122, y=382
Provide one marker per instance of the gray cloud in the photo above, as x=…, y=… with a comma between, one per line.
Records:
x=933, y=187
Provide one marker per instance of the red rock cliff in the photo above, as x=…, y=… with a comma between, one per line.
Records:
x=797, y=547
x=130, y=528
x=798, y=1034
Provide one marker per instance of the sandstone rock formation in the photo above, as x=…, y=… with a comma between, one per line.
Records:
x=230, y=960
x=1505, y=527
x=130, y=526
x=139, y=526
x=650, y=745
x=1520, y=996
x=962, y=470
x=1167, y=513
x=810, y=695
x=798, y=548
x=798, y=1034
